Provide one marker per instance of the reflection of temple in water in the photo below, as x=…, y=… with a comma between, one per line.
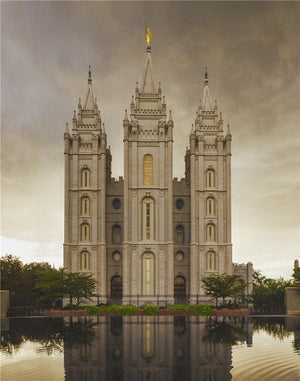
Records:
x=137, y=348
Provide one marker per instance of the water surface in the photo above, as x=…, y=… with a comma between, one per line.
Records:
x=151, y=349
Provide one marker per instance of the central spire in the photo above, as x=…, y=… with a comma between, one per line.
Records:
x=207, y=104
x=148, y=81
x=89, y=100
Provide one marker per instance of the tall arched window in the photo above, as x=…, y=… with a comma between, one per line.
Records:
x=210, y=233
x=84, y=260
x=210, y=206
x=148, y=219
x=148, y=274
x=116, y=234
x=179, y=237
x=211, y=261
x=85, y=178
x=85, y=206
x=148, y=170
x=210, y=178
x=85, y=232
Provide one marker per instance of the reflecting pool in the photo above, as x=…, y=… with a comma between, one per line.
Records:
x=144, y=348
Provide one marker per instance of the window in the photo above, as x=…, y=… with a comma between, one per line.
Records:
x=84, y=261
x=211, y=261
x=179, y=204
x=210, y=233
x=179, y=287
x=148, y=219
x=116, y=234
x=210, y=178
x=179, y=238
x=116, y=289
x=148, y=170
x=179, y=256
x=210, y=206
x=148, y=274
x=85, y=232
x=116, y=204
x=85, y=178
x=116, y=256
x=85, y=206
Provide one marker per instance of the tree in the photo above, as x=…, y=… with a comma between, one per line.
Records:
x=296, y=276
x=79, y=286
x=13, y=276
x=223, y=286
x=50, y=283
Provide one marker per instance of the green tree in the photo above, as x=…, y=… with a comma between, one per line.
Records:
x=296, y=276
x=13, y=276
x=51, y=284
x=223, y=286
x=79, y=286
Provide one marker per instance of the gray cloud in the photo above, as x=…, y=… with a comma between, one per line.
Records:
x=251, y=51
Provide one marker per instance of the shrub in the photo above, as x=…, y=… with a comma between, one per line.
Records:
x=202, y=309
x=93, y=310
x=151, y=310
x=179, y=307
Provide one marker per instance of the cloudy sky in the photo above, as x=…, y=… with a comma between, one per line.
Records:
x=251, y=50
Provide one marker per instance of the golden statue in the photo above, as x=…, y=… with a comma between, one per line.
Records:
x=148, y=34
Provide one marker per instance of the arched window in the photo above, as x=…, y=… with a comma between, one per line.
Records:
x=148, y=274
x=210, y=206
x=85, y=206
x=148, y=219
x=210, y=233
x=211, y=261
x=116, y=287
x=148, y=170
x=85, y=232
x=179, y=287
x=85, y=178
x=210, y=178
x=116, y=234
x=84, y=260
x=179, y=237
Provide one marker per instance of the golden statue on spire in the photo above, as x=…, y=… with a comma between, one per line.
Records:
x=148, y=34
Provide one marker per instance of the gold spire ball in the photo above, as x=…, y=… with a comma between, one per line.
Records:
x=148, y=34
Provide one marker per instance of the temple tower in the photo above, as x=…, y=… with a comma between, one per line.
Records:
x=209, y=173
x=86, y=158
x=148, y=168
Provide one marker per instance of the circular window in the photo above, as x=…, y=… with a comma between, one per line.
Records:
x=179, y=204
x=116, y=204
x=117, y=353
x=116, y=256
x=179, y=256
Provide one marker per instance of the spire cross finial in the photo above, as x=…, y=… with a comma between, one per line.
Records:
x=148, y=34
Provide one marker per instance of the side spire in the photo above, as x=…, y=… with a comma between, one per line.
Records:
x=89, y=99
x=207, y=103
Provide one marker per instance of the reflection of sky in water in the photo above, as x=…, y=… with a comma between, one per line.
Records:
x=32, y=363
x=268, y=359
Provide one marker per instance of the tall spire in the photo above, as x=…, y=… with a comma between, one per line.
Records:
x=148, y=81
x=89, y=100
x=207, y=104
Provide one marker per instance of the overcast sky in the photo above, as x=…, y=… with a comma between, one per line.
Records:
x=251, y=50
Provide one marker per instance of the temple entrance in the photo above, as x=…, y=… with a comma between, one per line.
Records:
x=116, y=290
x=179, y=287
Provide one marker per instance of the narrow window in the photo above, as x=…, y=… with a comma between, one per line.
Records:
x=85, y=206
x=148, y=170
x=84, y=260
x=179, y=238
x=210, y=178
x=148, y=274
x=85, y=232
x=211, y=261
x=210, y=207
x=210, y=233
x=85, y=178
x=116, y=234
x=148, y=219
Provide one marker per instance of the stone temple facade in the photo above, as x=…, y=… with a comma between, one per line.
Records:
x=148, y=235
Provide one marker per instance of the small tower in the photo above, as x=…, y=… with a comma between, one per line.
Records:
x=85, y=164
x=209, y=163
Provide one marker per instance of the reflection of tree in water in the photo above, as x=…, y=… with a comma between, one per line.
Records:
x=53, y=334
x=222, y=332
x=274, y=326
